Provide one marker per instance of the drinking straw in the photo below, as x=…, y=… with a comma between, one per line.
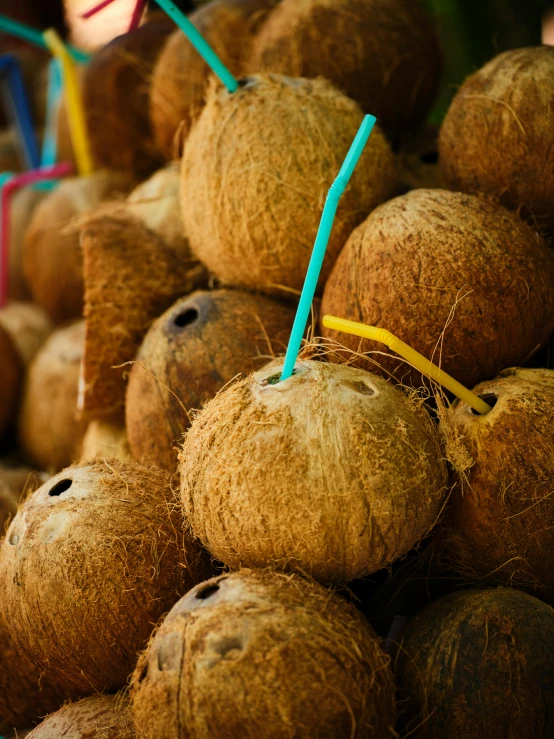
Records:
x=35, y=37
x=200, y=44
x=417, y=360
x=135, y=17
x=77, y=121
x=395, y=632
x=50, y=140
x=18, y=108
x=322, y=239
x=8, y=185
x=96, y=9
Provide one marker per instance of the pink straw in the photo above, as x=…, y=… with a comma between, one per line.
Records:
x=135, y=18
x=13, y=184
x=96, y=9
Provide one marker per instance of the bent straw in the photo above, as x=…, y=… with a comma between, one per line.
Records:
x=77, y=121
x=34, y=36
x=50, y=140
x=8, y=185
x=200, y=44
x=96, y=9
x=417, y=360
x=135, y=18
x=18, y=108
x=322, y=239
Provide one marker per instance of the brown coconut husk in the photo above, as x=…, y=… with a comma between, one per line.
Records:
x=116, y=86
x=131, y=277
x=52, y=260
x=23, y=203
x=106, y=439
x=256, y=170
x=497, y=136
x=339, y=497
x=463, y=281
x=97, y=717
x=9, y=158
x=180, y=78
x=100, y=556
x=260, y=654
x=479, y=663
x=192, y=351
x=50, y=432
x=382, y=53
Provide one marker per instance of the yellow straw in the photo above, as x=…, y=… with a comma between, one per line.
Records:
x=77, y=121
x=417, y=360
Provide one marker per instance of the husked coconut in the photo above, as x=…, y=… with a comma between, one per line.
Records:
x=97, y=717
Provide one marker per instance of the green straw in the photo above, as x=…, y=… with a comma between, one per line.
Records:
x=34, y=36
x=200, y=44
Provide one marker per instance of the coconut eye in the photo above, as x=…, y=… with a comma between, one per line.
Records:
x=207, y=592
x=489, y=398
x=361, y=387
x=14, y=539
x=60, y=487
x=186, y=317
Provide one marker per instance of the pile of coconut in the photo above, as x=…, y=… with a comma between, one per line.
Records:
x=193, y=547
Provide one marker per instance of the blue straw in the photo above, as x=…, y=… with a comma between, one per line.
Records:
x=50, y=140
x=19, y=109
x=34, y=36
x=200, y=44
x=320, y=247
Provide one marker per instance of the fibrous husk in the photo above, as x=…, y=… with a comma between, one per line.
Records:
x=256, y=170
x=23, y=203
x=50, y=432
x=180, y=78
x=479, y=664
x=106, y=439
x=192, y=351
x=116, y=88
x=89, y=564
x=97, y=717
x=461, y=280
x=334, y=472
x=382, y=53
x=131, y=277
x=259, y=654
x=497, y=136
x=502, y=518
x=52, y=261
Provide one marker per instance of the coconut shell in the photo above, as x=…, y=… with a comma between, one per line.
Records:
x=105, y=439
x=116, y=87
x=479, y=664
x=16, y=482
x=382, y=53
x=52, y=260
x=260, y=654
x=131, y=277
x=339, y=497
x=463, y=281
x=497, y=136
x=256, y=169
x=23, y=203
x=50, y=432
x=180, y=78
x=97, y=717
x=95, y=556
x=191, y=352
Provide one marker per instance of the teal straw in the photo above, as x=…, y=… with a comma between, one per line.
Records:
x=34, y=36
x=200, y=44
x=322, y=239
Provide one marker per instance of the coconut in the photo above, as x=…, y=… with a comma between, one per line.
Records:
x=116, y=86
x=463, y=281
x=52, y=261
x=497, y=137
x=23, y=203
x=9, y=159
x=200, y=344
x=131, y=277
x=14, y=483
x=106, y=439
x=95, y=556
x=479, y=663
x=419, y=161
x=49, y=431
x=180, y=78
x=333, y=472
x=260, y=654
x=383, y=53
x=97, y=717
x=256, y=170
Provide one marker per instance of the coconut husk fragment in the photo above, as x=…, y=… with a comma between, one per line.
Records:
x=97, y=717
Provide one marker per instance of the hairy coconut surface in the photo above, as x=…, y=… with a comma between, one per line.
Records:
x=463, y=281
x=89, y=564
x=480, y=664
x=106, y=439
x=50, y=432
x=131, y=277
x=256, y=170
x=497, y=136
x=382, y=53
x=502, y=515
x=97, y=717
x=52, y=260
x=267, y=656
x=191, y=352
x=334, y=472
x=23, y=203
x=116, y=86
x=180, y=77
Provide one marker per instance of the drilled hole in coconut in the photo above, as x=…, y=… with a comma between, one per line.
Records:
x=489, y=398
x=276, y=378
x=186, y=318
x=207, y=592
x=429, y=157
x=61, y=487
x=361, y=387
x=14, y=539
x=246, y=82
